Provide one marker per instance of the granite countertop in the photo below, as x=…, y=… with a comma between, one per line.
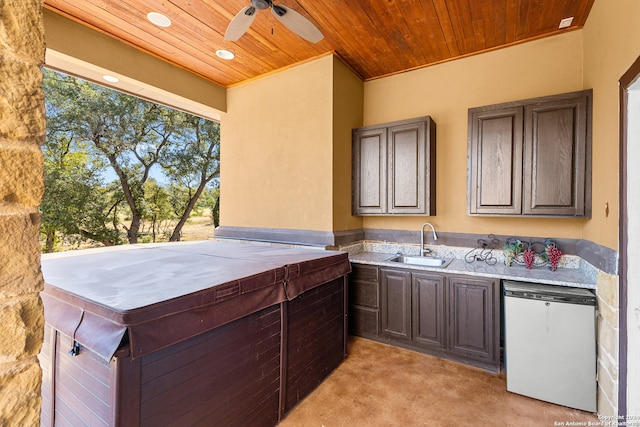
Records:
x=572, y=271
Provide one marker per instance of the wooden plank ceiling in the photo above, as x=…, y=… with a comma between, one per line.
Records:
x=375, y=37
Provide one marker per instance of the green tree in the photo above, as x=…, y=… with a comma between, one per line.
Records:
x=215, y=206
x=210, y=199
x=157, y=207
x=192, y=164
x=133, y=137
x=74, y=202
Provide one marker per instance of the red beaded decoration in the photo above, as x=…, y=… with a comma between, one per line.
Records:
x=554, y=255
x=528, y=256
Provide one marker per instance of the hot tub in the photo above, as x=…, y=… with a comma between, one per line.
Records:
x=207, y=333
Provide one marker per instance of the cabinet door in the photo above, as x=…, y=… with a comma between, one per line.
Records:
x=394, y=168
x=410, y=169
x=396, y=303
x=429, y=316
x=370, y=171
x=474, y=320
x=495, y=161
x=363, y=301
x=555, y=158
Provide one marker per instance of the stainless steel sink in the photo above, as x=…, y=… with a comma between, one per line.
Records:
x=422, y=261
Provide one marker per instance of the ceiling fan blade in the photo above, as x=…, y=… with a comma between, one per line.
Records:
x=240, y=23
x=297, y=23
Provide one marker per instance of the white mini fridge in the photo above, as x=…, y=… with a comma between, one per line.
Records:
x=550, y=343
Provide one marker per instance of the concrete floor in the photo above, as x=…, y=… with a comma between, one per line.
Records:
x=380, y=385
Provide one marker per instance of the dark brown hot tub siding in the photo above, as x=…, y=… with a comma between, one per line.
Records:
x=240, y=360
x=228, y=376
x=243, y=371
x=315, y=344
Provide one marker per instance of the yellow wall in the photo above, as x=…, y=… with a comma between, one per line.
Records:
x=348, y=92
x=286, y=149
x=611, y=45
x=277, y=150
x=446, y=92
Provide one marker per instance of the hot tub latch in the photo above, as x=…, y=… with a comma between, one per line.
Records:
x=75, y=350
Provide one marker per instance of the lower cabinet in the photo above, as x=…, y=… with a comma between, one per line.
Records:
x=364, y=297
x=451, y=316
x=429, y=310
x=474, y=325
x=396, y=303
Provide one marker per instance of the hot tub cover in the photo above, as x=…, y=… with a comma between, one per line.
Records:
x=155, y=295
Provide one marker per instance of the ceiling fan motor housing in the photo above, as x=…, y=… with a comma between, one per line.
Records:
x=261, y=4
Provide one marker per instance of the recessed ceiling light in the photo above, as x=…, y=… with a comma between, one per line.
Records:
x=566, y=22
x=111, y=79
x=225, y=54
x=158, y=19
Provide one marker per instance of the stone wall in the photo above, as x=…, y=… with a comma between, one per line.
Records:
x=608, y=333
x=22, y=131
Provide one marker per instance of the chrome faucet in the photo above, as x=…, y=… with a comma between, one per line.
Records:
x=424, y=251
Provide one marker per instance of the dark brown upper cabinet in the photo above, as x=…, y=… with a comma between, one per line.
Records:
x=394, y=168
x=531, y=157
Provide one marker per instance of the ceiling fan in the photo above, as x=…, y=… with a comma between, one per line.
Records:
x=289, y=17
